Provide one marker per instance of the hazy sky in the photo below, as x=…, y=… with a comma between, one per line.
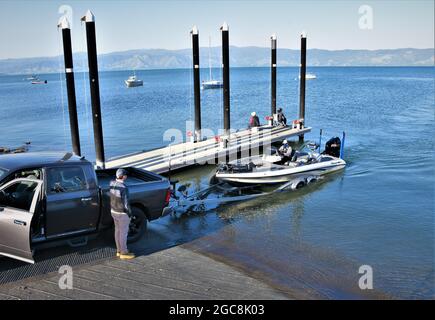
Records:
x=28, y=28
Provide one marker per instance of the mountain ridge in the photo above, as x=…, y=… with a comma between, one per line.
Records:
x=250, y=56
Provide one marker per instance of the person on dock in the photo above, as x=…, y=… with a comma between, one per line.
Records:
x=282, y=120
x=254, y=121
x=121, y=211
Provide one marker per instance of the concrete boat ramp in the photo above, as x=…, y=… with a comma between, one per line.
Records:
x=175, y=273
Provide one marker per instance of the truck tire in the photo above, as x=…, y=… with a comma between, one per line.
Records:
x=138, y=225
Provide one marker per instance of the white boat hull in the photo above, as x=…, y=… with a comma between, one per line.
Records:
x=309, y=76
x=281, y=174
x=132, y=84
x=212, y=85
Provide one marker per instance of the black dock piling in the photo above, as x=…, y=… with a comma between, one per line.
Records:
x=273, y=75
x=196, y=83
x=302, y=75
x=226, y=77
x=70, y=86
x=94, y=88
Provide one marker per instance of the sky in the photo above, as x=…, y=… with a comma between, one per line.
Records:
x=28, y=28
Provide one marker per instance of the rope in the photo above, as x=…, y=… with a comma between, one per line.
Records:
x=61, y=89
x=221, y=112
x=190, y=88
x=192, y=132
x=270, y=85
x=87, y=111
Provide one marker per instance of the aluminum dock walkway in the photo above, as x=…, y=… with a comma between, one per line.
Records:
x=209, y=151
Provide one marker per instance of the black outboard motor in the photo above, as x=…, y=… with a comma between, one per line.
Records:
x=332, y=147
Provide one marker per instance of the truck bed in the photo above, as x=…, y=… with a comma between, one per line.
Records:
x=135, y=176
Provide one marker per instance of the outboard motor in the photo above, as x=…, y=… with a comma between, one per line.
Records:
x=332, y=147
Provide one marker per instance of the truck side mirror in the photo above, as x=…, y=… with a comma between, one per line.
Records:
x=2, y=196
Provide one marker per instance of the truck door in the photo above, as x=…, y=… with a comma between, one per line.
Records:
x=18, y=202
x=72, y=201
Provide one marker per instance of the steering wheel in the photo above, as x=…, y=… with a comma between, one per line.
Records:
x=58, y=188
x=79, y=183
x=2, y=195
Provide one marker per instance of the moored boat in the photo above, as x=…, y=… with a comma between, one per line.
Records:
x=309, y=76
x=210, y=83
x=39, y=82
x=133, y=81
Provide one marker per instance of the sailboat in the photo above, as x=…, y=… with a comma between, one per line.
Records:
x=210, y=83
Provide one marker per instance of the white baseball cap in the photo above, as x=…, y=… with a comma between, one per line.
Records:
x=120, y=173
x=253, y=114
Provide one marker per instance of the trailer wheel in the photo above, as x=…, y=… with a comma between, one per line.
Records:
x=300, y=185
x=138, y=225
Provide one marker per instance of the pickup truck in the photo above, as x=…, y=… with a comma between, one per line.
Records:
x=49, y=197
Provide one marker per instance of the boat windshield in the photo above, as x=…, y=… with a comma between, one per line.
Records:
x=308, y=146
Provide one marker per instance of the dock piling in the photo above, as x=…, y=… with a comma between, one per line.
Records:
x=302, y=75
x=196, y=83
x=89, y=20
x=273, y=76
x=71, y=91
x=226, y=77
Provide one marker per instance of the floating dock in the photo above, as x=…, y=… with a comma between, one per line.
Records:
x=211, y=151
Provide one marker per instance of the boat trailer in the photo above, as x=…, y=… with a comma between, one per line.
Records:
x=222, y=192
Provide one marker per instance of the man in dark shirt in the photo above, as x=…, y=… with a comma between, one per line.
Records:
x=121, y=211
x=282, y=120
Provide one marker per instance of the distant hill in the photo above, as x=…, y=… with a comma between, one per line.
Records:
x=239, y=57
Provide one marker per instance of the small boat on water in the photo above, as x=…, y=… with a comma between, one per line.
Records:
x=24, y=148
x=37, y=81
x=309, y=76
x=133, y=81
x=271, y=169
x=32, y=78
x=210, y=83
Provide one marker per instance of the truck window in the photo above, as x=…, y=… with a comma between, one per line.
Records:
x=18, y=195
x=66, y=179
x=28, y=174
x=2, y=173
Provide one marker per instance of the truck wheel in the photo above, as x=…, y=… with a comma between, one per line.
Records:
x=138, y=225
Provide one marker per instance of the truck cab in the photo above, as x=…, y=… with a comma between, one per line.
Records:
x=45, y=197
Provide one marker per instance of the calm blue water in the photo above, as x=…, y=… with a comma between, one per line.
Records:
x=378, y=212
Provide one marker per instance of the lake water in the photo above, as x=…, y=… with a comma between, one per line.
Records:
x=378, y=212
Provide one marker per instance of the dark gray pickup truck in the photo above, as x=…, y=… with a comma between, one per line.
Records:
x=47, y=198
